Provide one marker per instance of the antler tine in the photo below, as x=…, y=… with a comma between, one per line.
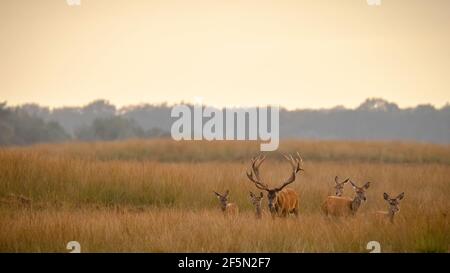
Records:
x=258, y=161
x=298, y=155
x=255, y=158
x=291, y=160
x=296, y=166
x=288, y=181
x=255, y=166
x=295, y=163
x=261, y=160
x=253, y=175
x=299, y=162
x=257, y=184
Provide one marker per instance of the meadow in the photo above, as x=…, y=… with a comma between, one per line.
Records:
x=157, y=196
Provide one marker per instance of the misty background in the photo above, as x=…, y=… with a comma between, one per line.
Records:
x=374, y=119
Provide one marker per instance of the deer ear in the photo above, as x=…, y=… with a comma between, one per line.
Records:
x=346, y=180
x=336, y=180
x=226, y=193
x=366, y=186
x=218, y=195
x=386, y=196
x=353, y=185
x=261, y=195
x=400, y=196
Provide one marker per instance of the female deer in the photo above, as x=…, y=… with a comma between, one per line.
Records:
x=226, y=207
x=257, y=203
x=394, y=207
x=339, y=187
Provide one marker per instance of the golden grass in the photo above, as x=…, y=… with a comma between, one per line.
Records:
x=136, y=196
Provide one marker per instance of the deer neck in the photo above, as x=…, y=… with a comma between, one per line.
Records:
x=391, y=216
x=356, y=203
x=391, y=213
x=224, y=207
x=258, y=211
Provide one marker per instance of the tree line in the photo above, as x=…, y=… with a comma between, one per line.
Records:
x=374, y=119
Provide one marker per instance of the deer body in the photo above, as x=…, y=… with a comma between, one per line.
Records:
x=344, y=206
x=340, y=206
x=287, y=202
x=383, y=215
x=231, y=209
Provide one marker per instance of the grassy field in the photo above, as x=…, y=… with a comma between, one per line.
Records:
x=157, y=196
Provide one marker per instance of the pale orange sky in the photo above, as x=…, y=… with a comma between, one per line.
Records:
x=298, y=54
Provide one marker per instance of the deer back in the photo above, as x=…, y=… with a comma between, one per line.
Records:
x=232, y=209
x=337, y=206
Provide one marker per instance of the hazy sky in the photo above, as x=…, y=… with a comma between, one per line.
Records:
x=299, y=54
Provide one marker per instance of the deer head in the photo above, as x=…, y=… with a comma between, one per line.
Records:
x=253, y=175
x=223, y=199
x=360, y=191
x=360, y=195
x=339, y=187
x=394, y=203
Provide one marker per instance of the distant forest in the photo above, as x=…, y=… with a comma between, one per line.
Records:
x=374, y=119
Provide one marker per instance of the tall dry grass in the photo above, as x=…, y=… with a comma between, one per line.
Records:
x=157, y=196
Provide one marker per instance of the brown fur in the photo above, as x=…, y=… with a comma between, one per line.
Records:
x=231, y=209
x=287, y=202
x=337, y=206
x=344, y=206
x=381, y=215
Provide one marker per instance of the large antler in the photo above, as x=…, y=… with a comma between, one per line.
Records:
x=295, y=164
x=253, y=175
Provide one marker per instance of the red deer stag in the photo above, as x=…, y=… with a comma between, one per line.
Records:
x=282, y=201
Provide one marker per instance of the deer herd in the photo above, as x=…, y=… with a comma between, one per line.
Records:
x=283, y=201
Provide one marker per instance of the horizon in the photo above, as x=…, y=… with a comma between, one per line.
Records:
x=194, y=101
